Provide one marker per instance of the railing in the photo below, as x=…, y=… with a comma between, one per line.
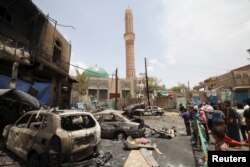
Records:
x=201, y=136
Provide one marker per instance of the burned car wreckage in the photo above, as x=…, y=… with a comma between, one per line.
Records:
x=49, y=137
x=53, y=137
x=114, y=124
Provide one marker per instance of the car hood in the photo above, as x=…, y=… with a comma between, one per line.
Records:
x=19, y=96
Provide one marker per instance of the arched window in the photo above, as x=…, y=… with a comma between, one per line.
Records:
x=245, y=79
x=238, y=79
x=57, y=51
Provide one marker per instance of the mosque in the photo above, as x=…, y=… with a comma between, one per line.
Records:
x=102, y=87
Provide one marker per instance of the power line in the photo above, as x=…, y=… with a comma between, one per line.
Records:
x=76, y=66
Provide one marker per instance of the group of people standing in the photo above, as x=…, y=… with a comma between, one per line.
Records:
x=223, y=120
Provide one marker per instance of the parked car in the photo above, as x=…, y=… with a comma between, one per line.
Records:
x=150, y=110
x=47, y=138
x=115, y=125
x=130, y=111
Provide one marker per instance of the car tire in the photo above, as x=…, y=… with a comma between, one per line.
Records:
x=34, y=160
x=120, y=136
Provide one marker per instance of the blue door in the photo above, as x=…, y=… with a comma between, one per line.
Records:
x=241, y=96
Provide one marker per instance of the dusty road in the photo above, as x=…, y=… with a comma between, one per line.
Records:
x=177, y=152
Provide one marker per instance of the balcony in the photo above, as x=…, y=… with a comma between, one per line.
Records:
x=13, y=47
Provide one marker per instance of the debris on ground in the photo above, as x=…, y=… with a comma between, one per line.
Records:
x=103, y=158
x=138, y=143
x=163, y=133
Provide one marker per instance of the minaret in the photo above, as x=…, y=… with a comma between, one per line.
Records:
x=129, y=38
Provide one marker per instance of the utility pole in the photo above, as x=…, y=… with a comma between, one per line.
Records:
x=116, y=87
x=146, y=75
x=188, y=97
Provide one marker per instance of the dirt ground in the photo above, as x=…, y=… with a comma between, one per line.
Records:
x=177, y=152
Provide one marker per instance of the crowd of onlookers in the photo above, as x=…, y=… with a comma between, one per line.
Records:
x=224, y=121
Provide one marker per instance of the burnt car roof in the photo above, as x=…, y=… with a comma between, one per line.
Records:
x=61, y=112
x=19, y=96
x=111, y=112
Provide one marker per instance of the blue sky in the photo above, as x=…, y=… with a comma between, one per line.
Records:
x=183, y=40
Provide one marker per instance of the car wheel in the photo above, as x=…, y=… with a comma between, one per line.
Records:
x=120, y=136
x=34, y=160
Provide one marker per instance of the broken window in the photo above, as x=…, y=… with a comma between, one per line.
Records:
x=36, y=122
x=57, y=51
x=22, y=123
x=109, y=118
x=77, y=122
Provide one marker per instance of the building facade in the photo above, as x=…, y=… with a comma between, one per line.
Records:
x=234, y=85
x=34, y=55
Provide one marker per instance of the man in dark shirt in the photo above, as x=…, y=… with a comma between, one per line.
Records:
x=246, y=114
x=186, y=117
x=181, y=109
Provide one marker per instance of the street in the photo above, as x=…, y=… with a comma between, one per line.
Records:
x=177, y=152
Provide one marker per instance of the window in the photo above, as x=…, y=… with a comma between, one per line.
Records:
x=109, y=118
x=57, y=51
x=238, y=80
x=125, y=93
x=77, y=122
x=93, y=93
x=36, y=121
x=22, y=123
x=103, y=94
x=4, y=15
x=245, y=79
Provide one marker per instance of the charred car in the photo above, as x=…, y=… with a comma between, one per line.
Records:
x=116, y=125
x=49, y=138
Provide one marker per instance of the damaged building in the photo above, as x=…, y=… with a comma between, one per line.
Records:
x=34, y=55
x=233, y=86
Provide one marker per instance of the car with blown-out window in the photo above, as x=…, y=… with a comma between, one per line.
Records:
x=52, y=137
x=114, y=124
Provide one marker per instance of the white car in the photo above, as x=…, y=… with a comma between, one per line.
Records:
x=45, y=138
x=149, y=110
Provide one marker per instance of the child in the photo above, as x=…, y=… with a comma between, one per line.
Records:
x=218, y=134
x=228, y=140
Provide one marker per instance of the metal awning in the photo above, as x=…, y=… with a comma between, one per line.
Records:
x=240, y=88
x=92, y=87
x=19, y=96
x=103, y=87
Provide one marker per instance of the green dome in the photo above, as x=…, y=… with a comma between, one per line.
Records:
x=96, y=72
